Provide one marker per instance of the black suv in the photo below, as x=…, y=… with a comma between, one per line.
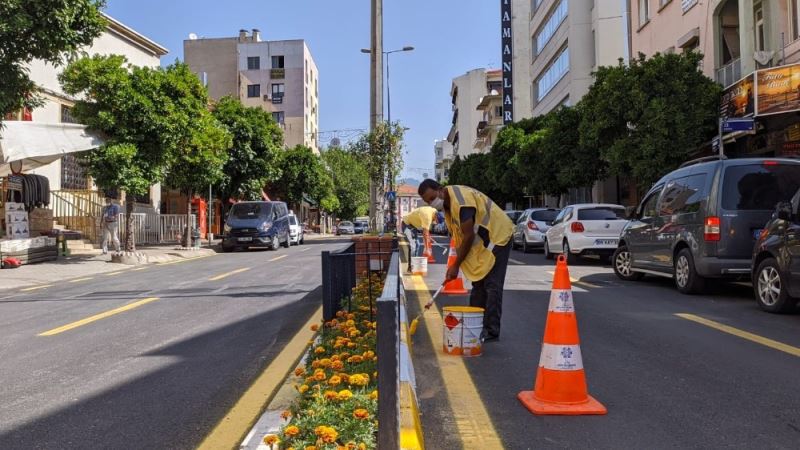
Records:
x=776, y=260
x=702, y=220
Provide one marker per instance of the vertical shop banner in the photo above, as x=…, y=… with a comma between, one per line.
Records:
x=507, y=43
x=778, y=90
x=738, y=100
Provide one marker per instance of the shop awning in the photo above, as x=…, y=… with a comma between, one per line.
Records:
x=37, y=144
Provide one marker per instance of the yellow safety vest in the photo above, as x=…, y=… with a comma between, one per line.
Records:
x=488, y=215
x=420, y=218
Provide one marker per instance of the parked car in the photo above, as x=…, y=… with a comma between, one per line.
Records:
x=296, y=233
x=530, y=228
x=585, y=229
x=702, y=220
x=360, y=227
x=256, y=224
x=513, y=215
x=776, y=260
x=345, y=227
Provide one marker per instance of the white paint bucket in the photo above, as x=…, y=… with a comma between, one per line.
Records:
x=462, y=330
x=419, y=265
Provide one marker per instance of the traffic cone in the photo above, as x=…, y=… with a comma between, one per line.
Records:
x=560, y=380
x=453, y=287
x=429, y=251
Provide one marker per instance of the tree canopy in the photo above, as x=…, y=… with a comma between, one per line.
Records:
x=303, y=174
x=350, y=182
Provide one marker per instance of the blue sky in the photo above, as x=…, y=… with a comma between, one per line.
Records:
x=450, y=37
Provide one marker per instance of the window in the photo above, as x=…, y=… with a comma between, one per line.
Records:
x=594, y=49
x=601, y=213
x=755, y=187
x=663, y=3
x=644, y=12
x=648, y=208
x=253, y=63
x=277, y=90
x=683, y=195
x=759, y=18
x=535, y=4
x=551, y=25
x=66, y=115
x=278, y=117
x=553, y=74
x=277, y=62
x=544, y=215
x=253, y=90
x=498, y=111
x=795, y=18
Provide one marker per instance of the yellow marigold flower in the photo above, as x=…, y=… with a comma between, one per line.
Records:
x=351, y=345
x=311, y=447
x=331, y=395
x=361, y=413
x=350, y=323
x=329, y=435
x=303, y=389
x=335, y=380
x=291, y=430
x=299, y=371
x=373, y=395
x=362, y=446
x=314, y=327
x=354, y=333
x=369, y=354
x=345, y=394
x=319, y=350
x=271, y=439
x=374, y=374
x=355, y=359
x=344, y=355
x=320, y=375
x=325, y=362
x=335, y=358
x=337, y=365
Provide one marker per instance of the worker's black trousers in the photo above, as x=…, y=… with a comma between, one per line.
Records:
x=488, y=292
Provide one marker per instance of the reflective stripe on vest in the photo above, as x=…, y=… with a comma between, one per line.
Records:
x=484, y=222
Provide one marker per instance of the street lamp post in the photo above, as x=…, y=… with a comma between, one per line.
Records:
x=408, y=48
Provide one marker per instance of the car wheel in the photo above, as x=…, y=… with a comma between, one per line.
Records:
x=571, y=257
x=287, y=243
x=686, y=277
x=227, y=248
x=770, y=290
x=275, y=243
x=546, y=250
x=302, y=240
x=621, y=261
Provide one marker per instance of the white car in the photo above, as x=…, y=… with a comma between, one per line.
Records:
x=531, y=227
x=585, y=229
x=295, y=231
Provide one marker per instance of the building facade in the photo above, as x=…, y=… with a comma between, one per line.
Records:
x=280, y=77
x=467, y=92
x=443, y=152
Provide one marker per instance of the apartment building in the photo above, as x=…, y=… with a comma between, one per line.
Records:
x=443, y=152
x=466, y=94
x=750, y=47
x=279, y=76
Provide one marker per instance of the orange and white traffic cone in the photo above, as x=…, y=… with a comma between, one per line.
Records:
x=560, y=380
x=429, y=251
x=454, y=287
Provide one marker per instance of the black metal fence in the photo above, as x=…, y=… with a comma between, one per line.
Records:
x=388, y=349
x=338, y=279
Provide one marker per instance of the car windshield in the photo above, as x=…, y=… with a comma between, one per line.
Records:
x=346, y=224
x=545, y=215
x=250, y=210
x=601, y=213
x=759, y=186
x=292, y=220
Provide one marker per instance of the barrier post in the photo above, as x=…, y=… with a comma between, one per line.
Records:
x=388, y=346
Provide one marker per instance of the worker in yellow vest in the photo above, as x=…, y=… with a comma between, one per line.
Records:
x=481, y=232
x=415, y=224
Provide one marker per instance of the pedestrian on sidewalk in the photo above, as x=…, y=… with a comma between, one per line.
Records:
x=110, y=224
x=417, y=224
x=481, y=233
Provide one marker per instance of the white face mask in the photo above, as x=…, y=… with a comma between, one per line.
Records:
x=437, y=203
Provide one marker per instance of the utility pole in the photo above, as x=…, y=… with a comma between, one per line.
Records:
x=376, y=105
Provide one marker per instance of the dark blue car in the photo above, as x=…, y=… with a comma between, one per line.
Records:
x=256, y=224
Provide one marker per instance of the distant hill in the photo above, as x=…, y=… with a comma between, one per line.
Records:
x=410, y=181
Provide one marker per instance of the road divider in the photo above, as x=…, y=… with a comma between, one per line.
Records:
x=227, y=274
x=786, y=348
x=96, y=317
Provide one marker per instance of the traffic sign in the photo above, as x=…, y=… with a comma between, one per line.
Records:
x=729, y=125
x=391, y=196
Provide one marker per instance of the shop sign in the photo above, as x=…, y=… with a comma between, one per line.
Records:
x=778, y=90
x=507, y=50
x=739, y=99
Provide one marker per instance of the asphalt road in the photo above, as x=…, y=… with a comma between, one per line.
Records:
x=667, y=382
x=158, y=375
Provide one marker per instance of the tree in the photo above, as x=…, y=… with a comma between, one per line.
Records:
x=303, y=174
x=47, y=30
x=382, y=153
x=253, y=158
x=648, y=117
x=472, y=171
x=350, y=182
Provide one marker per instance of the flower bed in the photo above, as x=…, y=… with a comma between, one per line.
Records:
x=337, y=390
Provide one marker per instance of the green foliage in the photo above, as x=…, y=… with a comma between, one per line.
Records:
x=302, y=173
x=253, y=159
x=472, y=171
x=648, y=117
x=350, y=182
x=381, y=150
x=48, y=30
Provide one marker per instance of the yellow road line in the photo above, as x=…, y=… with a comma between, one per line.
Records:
x=138, y=269
x=81, y=279
x=34, y=288
x=277, y=258
x=786, y=348
x=97, y=317
x=227, y=274
x=184, y=260
x=577, y=281
x=111, y=274
x=305, y=249
x=474, y=425
x=230, y=431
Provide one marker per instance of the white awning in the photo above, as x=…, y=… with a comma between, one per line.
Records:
x=37, y=144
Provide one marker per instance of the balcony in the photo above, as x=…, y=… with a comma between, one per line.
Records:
x=483, y=128
x=729, y=73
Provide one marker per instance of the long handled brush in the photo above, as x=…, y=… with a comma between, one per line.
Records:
x=413, y=327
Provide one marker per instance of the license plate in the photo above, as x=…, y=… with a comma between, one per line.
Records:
x=605, y=242
x=245, y=239
x=757, y=233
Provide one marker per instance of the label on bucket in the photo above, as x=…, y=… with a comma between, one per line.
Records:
x=561, y=357
x=561, y=301
x=462, y=331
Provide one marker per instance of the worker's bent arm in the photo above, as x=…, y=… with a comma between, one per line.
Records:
x=468, y=234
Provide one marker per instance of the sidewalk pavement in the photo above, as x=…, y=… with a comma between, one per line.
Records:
x=33, y=275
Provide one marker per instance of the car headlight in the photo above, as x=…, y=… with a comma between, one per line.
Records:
x=264, y=226
x=226, y=228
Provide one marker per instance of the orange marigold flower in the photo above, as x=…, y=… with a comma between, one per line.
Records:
x=355, y=359
x=329, y=435
x=369, y=354
x=345, y=377
x=319, y=375
x=345, y=355
x=271, y=439
x=361, y=413
x=335, y=358
x=351, y=316
x=340, y=313
x=314, y=327
x=319, y=350
x=299, y=371
x=337, y=365
x=331, y=395
x=286, y=414
x=345, y=394
x=335, y=380
x=311, y=447
x=351, y=345
x=291, y=430
x=325, y=362
x=354, y=333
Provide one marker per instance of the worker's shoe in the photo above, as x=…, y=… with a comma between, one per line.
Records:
x=486, y=337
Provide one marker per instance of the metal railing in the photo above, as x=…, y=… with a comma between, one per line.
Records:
x=388, y=350
x=156, y=228
x=338, y=279
x=729, y=73
x=78, y=210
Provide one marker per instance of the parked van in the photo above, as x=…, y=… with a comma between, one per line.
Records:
x=702, y=220
x=256, y=224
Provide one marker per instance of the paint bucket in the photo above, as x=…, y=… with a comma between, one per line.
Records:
x=419, y=265
x=462, y=330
